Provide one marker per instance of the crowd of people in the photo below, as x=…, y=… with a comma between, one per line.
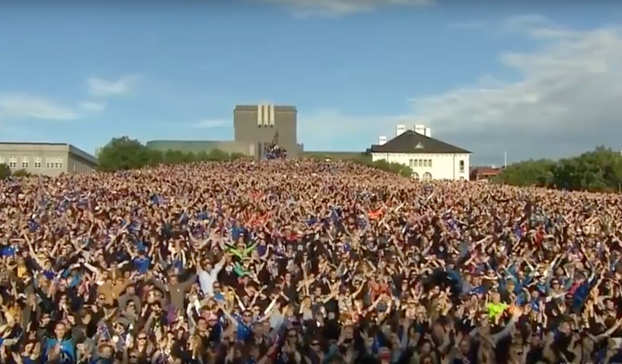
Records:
x=305, y=262
x=274, y=151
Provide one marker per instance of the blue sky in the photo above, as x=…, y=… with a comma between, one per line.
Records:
x=533, y=78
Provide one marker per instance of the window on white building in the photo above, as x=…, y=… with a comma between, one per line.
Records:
x=461, y=166
x=25, y=162
x=2, y=160
x=429, y=163
x=412, y=163
x=12, y=162
x=427, y=176
x=54, y=162
x=37, y=162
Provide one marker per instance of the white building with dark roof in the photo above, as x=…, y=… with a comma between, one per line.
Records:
x=429, y=158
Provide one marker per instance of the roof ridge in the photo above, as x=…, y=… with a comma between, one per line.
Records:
x=408, y=141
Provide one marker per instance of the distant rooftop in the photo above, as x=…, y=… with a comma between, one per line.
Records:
x=35, y=143
x=71, y=148
x=200, y=142
x=254, y=108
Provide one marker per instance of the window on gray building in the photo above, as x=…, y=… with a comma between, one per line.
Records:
x=25, y=162
x=12, y=162
x=37, y=162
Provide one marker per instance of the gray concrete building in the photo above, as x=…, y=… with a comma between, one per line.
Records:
x=261, y=124
x=254, y=127
x=48, y=159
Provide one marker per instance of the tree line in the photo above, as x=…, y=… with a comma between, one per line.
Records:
x=396, y=168
x=124, y=153
x=5, y=172
x=599, y=170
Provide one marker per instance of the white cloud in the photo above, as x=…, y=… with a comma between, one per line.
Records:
x=92, y=106
x=565, y=100
x=342, y=7
x=210, y=124
x=101, y=87
x=18, y=106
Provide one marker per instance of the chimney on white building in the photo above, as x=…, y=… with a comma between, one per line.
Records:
x=400, y=129
x=419, y=129
x=382, y=140
x=428, y=132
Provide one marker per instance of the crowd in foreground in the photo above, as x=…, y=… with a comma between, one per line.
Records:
x=299, y=262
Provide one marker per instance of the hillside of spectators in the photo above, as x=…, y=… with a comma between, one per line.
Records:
x=304, y=261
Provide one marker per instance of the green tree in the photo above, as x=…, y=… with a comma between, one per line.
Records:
x=190, y=157
x=236, y=155
x=156, y=157
x=123, y=154
x=218, y=155
x=202, y=156
x=21, y=173
x=5, y=171
x=174, y=157
x=528, y=173
x=396, y=168
x=599, y=170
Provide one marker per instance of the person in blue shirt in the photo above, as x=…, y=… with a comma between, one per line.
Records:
x=142, y=262
x=243, y=323
x=60, y=347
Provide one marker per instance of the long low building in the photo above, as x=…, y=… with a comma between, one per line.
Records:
x=47, y=159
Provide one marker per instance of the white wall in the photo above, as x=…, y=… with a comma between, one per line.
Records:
x=444, y=166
